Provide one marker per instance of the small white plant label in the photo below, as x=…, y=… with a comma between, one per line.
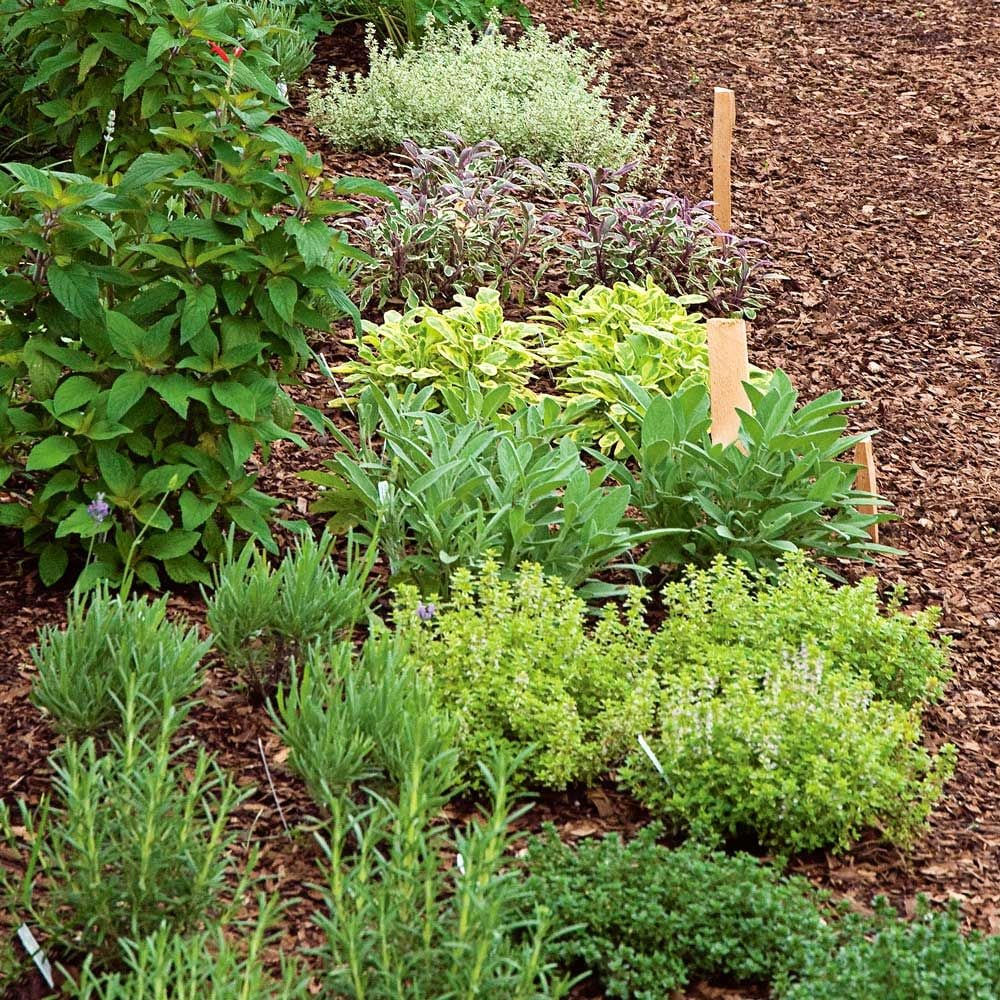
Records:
x=34, y=950
x=648, y=751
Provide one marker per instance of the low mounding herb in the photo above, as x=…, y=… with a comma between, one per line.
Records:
x=757, y=617
x=290, y=46
x=129, y=841
x=262, y=618
x=205, y=966
x=439, y=490
x=465, y=219
x=348, y=720
x=536, y=97
x=650, y=919
x=779, y=489
x=788, y=749
x=518, y=664
x=640, y=332
x=928, y=958
x=108, y=644
x=425, y=347
x=396, y=915
x=623, y=236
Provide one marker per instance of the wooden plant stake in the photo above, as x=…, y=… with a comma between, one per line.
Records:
x=866, y=480
x=728, y=369
x=723, y=120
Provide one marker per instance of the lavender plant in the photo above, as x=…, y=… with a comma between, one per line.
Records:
x=465, y=219
x=618, y=235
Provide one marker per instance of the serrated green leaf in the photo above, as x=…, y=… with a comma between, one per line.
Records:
x=126, y=391
x=51, y=452
x=52, y=563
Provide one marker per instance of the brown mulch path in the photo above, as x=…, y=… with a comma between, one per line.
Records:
x=868, y=154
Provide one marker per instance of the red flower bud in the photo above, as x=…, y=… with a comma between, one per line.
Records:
x=219, y=51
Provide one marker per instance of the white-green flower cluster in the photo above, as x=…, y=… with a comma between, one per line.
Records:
x=540, y=98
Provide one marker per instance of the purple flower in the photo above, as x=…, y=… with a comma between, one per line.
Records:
x=98, y=508
x=425, y=612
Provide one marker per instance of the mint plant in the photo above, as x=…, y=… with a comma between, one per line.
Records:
x=518, y=663
x=109, y=646
x=436, y=491
x=263, y=618
x=148, y=329
x=779, y=489
x=134, y=64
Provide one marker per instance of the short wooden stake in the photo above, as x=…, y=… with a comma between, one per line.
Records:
x=723, y=120
x=728, y=369
x=866, y=480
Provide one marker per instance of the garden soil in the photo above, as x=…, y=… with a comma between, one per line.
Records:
x=867, y=153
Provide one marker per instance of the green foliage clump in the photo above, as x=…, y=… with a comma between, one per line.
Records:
x=796, y=753
x=425, y=347
x=466, y=219
x=262, y=618
x=147, y=329
x=757, y=617
x=538, y=98
x=128, y=841
x=649, y=919
x=350, y=719
x=777, y=489
x=396, y=915
x=790, y=710
x=928, y=958
x=108, y=646
x=517, y=664
x=594, y=335
x=436, y=491
x=81, y=72
x=206, y=965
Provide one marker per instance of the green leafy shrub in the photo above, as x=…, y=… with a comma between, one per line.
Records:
x=425, y=347
x=648, y=919
x=85, y=670
x=594, y=335
x=797, y=753
x=396, y=915
x=262, y=618
x=348, y=719
x=465, y=219
x=778, y=489
x=127, y=842
x=516, y=663
x=405, y=22
x=441, y=491
x=928, y=958
x=537, y=98
x=757, y=617
x=206, y=966
x=622, y=236
x=147, y=330
x=93, y=69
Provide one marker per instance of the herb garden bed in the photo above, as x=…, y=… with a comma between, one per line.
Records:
x=867, y=156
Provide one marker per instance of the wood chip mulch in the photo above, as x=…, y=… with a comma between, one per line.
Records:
x=868, y=155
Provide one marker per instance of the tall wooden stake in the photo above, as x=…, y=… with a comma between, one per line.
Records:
x=728, y=369
x=866, y=480
x=723, y=120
